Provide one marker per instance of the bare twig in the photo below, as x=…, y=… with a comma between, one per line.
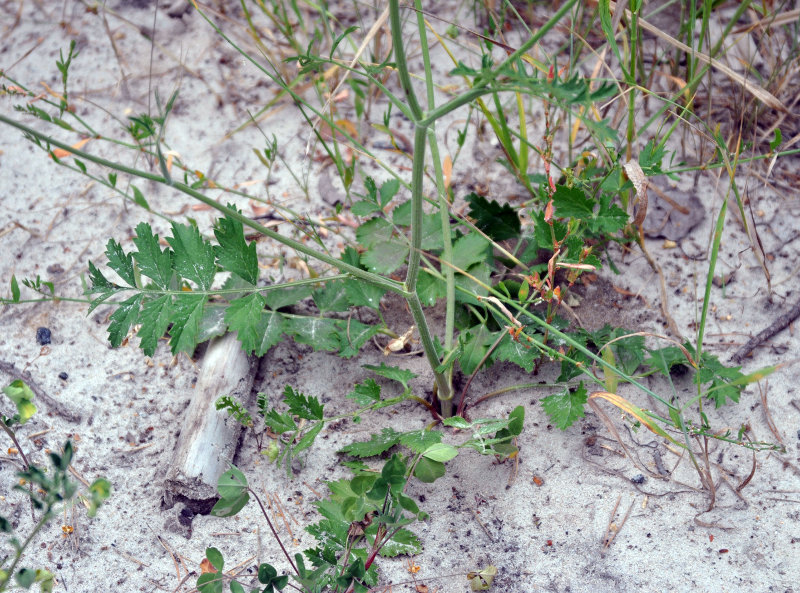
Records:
x=781, y=323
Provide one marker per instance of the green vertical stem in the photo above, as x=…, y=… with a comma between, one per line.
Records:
x=400, y=60
x=443, y=388
x=447, y=251
x=417, y=178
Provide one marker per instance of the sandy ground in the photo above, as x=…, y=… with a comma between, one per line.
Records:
x=543, y=524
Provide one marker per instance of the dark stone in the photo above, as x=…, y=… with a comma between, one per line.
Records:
x=43, y=336
x=63, y=376
x=638, y=479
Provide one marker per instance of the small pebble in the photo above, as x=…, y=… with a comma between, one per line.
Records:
x=43, y=336
x=638, y=479
x=63, y=376
x=798, y=434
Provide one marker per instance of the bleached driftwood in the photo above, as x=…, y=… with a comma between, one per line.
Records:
x=208, y=438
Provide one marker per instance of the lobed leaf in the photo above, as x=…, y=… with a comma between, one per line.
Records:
x=152, y=261
x=194, y=256
x=566, y=407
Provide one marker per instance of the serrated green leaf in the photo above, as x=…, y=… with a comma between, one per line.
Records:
x=304, y=406
x=430, y=288
x=474, y=346
x=609, y=219
x=287, y=296
x=212, y=324
x=121, y=320
x=457, y=422
x=420, y=440
x=470, y=250
x=269, y=331
x=244, y=316
x=374, y=231
x=193, y=255
x=233, y=253
x=155, y=317
x=353, y=335
x=364, y=208
x=362, y=294
x=152, y=261
x=100, y=286
x=366, y=393
x=499, y=222
x=331, y=297
x=474, y=285
x=402, y=542
x=385, y=257
x=571, y=202
x=388, y=190
x=308, y=438
x=428, y=470
x=279, y=423
x=401, y=215
x=318, y=332
x=664, y=359
x=432, y=238
x=402, y=376
x=120, y=262
x=378, y=444
x=187, y=314
x=517, y=351
x=566, y=407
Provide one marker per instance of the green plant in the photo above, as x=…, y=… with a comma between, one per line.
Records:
x=48, y=491
x=365, y=516
x=501, y=283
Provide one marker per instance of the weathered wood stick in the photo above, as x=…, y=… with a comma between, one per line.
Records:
x=765, y=334
x=208, y=438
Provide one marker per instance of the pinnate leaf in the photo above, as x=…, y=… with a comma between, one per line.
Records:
x=362, y=294
x=155, y=317
x=269, y=331
x=302, y=405
x=244, y=316
x=121, y=320
x=318, y=332
x=379, y=443
x=366, y=393
x=234, y=254
x=152, y=261
x=188, y=312
x=120, y=262
x=194, y=256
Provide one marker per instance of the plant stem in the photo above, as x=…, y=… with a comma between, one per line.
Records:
x=18, y=556
x=13, y=437
x=274, y=533
x=369, y=277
